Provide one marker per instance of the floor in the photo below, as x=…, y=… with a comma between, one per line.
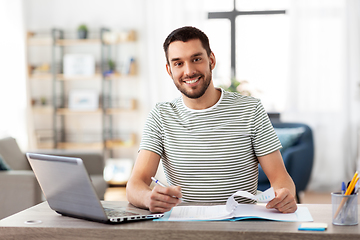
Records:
x=119, y=194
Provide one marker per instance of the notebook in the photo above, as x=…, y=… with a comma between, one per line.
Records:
x=68, y=190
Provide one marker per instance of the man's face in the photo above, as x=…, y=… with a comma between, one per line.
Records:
x=190, y=67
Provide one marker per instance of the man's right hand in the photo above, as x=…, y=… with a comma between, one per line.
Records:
x=163, y=199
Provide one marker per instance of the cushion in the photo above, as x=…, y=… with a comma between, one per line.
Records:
x=3, y=164
x=288, y=136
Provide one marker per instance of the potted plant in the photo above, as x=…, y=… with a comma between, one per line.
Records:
x=82, y=31
x=243, y=87
x=111, y=64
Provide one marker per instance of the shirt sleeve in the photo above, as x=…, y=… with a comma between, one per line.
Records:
x=152, y=139
x=265, y=140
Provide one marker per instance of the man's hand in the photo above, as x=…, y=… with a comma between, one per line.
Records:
x=163, y=199
x=284, y=201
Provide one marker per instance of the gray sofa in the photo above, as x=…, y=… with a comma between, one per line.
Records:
x=19, y=188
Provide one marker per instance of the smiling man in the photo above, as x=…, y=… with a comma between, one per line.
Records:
x=210, y=140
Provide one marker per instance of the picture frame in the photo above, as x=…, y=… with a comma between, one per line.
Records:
x=79, y=65
x=83, y=100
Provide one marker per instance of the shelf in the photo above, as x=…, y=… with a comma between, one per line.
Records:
x=33, y=40
x=63, y=119
x=67, y=111
x=118, y=76
x=40, y=76
x=61, y=77
x=46, y=41
x=45, y=145
x=74, y=42
x=72, y=145
x=130, y=106
x=118, y=143
x=43, y=109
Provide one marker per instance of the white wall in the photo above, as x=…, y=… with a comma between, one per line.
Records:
x=12, y=66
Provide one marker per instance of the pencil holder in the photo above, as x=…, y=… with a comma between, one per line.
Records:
x=344, y=209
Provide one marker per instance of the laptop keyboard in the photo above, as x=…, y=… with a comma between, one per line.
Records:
x=113, y=213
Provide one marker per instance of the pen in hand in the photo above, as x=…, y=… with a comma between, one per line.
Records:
x=161, y=184
x=158, y=182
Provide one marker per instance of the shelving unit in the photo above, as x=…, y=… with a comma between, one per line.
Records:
x=55, y=110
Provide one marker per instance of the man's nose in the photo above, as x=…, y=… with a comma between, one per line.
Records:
x=189, y=70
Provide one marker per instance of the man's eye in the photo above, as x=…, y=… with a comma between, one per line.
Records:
x=177, y=64
x=196, y=59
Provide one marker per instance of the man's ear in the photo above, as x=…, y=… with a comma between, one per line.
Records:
x=168, y=69
x=212, y=60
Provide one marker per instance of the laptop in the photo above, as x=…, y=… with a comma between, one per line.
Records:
x=69, y=191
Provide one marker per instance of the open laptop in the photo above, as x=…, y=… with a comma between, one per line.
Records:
x=68, y=189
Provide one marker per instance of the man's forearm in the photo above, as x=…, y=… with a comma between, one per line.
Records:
x=138, y=193
x=285, y=182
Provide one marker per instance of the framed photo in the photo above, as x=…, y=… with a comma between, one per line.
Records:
x=79, y=65
x=83, y=100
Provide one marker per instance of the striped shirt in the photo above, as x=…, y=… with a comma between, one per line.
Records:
x=211, y=153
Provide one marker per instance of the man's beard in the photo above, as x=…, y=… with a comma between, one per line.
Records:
x=201, y=92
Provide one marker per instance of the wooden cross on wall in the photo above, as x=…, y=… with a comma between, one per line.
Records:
x=232, y=17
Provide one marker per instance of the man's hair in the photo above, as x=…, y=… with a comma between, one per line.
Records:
x=185, y=34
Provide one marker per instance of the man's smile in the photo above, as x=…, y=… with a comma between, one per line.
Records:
x=192, y=80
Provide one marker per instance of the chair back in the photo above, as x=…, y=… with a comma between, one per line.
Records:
x=12, y=154
x=299, y=158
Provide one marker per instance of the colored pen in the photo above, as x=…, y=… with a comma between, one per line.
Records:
x=158, y=182
x=343, y=188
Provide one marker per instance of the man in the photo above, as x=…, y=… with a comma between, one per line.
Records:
x=210, y=140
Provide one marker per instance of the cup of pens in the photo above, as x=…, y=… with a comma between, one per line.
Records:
x=345, y=203
x=344, y=208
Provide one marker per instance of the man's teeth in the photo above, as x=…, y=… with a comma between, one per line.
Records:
x=192, y=81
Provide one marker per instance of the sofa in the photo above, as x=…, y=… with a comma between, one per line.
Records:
x=18, y=185
x=297, y=153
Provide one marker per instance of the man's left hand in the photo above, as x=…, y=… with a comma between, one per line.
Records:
x=284, y=201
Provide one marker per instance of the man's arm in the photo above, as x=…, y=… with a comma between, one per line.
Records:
x=138, y=191
x=280, y=180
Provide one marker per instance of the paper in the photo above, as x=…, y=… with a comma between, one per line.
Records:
x=234, y=211
x=263, y=197
x=203, y=213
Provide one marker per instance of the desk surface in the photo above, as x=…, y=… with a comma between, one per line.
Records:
x=55, y=226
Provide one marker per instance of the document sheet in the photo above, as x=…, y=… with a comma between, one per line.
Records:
x=234, y=211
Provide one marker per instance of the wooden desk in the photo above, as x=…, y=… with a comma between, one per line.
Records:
x=55, y=226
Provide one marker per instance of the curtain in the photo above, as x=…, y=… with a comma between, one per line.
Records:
x=319, y=87
x=353, y=68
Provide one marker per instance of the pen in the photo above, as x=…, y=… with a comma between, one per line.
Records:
x=161, y=184
x=158, y=182
x=343, y=188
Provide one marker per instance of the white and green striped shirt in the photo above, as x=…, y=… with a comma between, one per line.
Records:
x=211, y=153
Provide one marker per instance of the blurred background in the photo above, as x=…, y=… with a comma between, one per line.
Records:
x=303, y=63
